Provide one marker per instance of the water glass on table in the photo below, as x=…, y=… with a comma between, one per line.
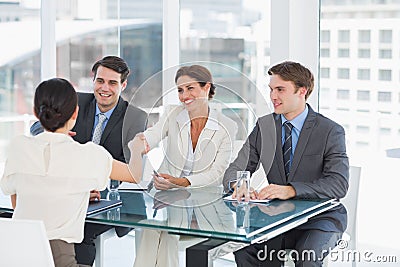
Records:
x=243, y=185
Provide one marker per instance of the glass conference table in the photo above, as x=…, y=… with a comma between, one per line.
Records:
x=227, y=225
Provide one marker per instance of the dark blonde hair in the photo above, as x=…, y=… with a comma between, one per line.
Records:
x=201, y=74
x=54, y=103
x=296, y=73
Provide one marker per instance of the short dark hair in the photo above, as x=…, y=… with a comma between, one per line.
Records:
x=296, y=73
x=201, y=74
x=55, y=101
x=115, y=63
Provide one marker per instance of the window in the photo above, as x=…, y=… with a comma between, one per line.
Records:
x=361, y=144
x=343, y=52
x=364, y=36
x=325, y=52
x=229, y=32
x=385, y=75
x=325, y=72
x=343, y=94
x=385, y=53
x=343, y=73
x=384, y=131
x=385, y=36
x=364, y=53
x=344, y=36
x=363, y=95
x=384, y=96
x=324, y=93
x=363, y=74
x=325, y=36
x=362, y=129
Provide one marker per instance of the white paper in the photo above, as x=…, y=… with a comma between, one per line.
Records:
x=229, y=198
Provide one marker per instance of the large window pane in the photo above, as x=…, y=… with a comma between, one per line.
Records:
x=235, y=35
x=19, y=67
x=371, y=29
x=96, y=28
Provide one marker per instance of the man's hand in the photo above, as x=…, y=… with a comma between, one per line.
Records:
x=274, y=191
x=241, y=193
x=94, y=195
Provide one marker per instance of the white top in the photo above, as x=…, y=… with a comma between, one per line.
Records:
x=52, y=176
x=212, y=124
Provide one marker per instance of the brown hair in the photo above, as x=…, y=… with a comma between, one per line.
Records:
x=296, y=73
x=201, y=74
x=115, y=63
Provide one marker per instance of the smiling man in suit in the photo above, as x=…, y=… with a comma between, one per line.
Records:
x=304, y=156
x=110, y=79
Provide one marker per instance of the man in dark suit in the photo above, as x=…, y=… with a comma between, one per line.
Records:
x=110, y=79
x=304, y=156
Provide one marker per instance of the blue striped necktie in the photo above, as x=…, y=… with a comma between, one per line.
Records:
x=287, y=147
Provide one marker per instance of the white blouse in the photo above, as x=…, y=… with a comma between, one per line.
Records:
x=52, y=176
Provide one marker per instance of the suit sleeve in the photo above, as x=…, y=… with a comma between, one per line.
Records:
x=159, y=131
x=36, y=128
x=248, y=158
x=334, y=180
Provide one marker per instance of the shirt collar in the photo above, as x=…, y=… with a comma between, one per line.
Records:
x=212, y=122
x=108, y=113
x=299, y=120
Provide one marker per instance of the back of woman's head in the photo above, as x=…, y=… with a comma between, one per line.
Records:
x=54, y=103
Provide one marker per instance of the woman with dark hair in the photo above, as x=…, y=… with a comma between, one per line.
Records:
x=50, y=176
x=199, y=149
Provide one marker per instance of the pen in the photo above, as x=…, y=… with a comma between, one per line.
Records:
x=151, y=184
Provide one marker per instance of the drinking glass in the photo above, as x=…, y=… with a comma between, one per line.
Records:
x=243, y=184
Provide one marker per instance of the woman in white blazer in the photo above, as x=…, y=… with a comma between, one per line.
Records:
x=199, y=149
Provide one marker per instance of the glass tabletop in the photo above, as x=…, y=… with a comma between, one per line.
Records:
x=204, y=213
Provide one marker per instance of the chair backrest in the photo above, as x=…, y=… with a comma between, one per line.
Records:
x=350, y=201
x=24, y=243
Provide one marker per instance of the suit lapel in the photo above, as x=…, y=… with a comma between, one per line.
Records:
x=115, y=117
x=183, y=122
x=90, y=119
x=303, y=140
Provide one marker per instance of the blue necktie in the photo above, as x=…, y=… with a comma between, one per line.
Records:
x=98, y=130
x=287, y=147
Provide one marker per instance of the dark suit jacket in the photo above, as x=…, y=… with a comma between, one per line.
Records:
x=118, y=131
x=320, y=167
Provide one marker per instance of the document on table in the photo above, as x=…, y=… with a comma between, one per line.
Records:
x=229, y=198
x=101, y=205
x=143, y=185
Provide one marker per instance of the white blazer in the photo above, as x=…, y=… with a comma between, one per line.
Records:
x=214, y=150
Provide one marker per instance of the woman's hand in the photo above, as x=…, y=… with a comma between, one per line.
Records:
x=165, y=181
x=139, y=143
